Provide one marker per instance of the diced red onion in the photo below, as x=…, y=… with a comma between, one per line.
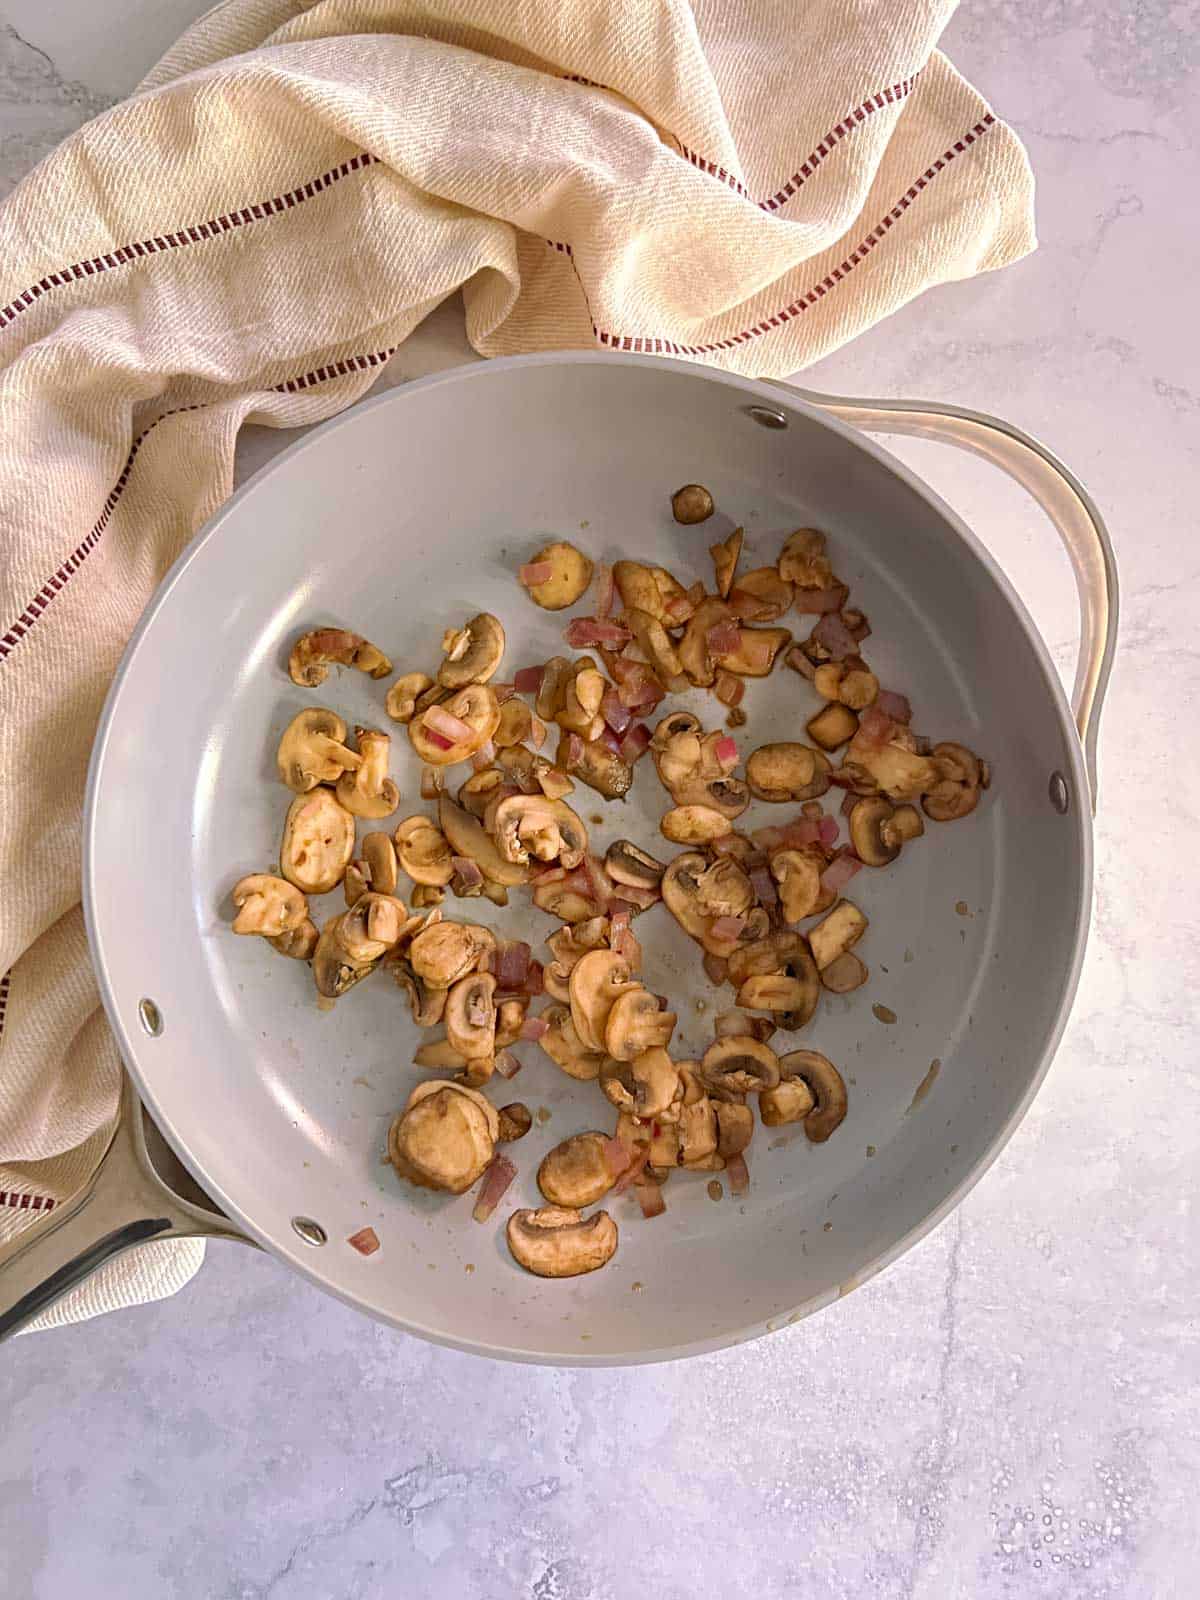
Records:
x=768, y=838
x=503, y=692
x=715, y=968
x=849, y=801
x=738, y=1174
x=614, y=713
x=365, y=1241
x=801, y=833
x=438, y=740
x=679, y=608
x=466, y=872
x=535, y=572
x=584, y=632
x=839, y=872
x=896, y=706
x=633, y=1170
x=499, y=1174
x=609, y=740
x=650, y=1198
x=723, y=638
x=535, y=979
x=819, y=602
x=616, y=1156
x=875, y=728
x=726, y=751
x=604, y=591
x=452, y=728
x=635, y=743
x=484, y=756
x=510, y=963
x=574, y=750
x=727, y=927
x=507, y=1064
x=796, y=659
x=627, y=947
x=764, y=887
x=529, y=680
x=829, y=831
x=729, y=690
x=533, y=1028
x=433, y=782
x=832, y=633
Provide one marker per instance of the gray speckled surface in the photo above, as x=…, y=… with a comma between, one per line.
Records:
x=1014, y=1409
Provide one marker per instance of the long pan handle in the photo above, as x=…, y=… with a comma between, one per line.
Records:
x=124, y=1203
x=1061, y=496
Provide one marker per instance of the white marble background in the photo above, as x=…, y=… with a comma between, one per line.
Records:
x=1014, y=1409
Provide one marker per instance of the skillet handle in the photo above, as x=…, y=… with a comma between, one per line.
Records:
x=123, y=1204
x=1061, y=496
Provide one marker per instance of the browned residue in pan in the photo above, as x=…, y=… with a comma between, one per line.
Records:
x=926, y=1083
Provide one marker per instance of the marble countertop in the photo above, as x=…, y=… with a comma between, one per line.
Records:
x=1011, y=1411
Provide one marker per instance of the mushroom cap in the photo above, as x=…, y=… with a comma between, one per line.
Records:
x=628, y=863
x=635, y=1024
x=571, y=575
x=575, y=1172
x=873, y=846
x=787, y=771
x=556, y=1241
x=470, y=1016
x=318, y=842
x=691, y=504
x=313, y=750
x=476, y=706
x=334, y=971
x=423, y=852
x=656, y=1083
x=845, y=974
x=597, y=978
x=798, y=874
x=476, y=660
x=565, y=1048
x=467, y=836
x=740, y=1064
x=446, y=951
x=379, y=855
x=825, y=1083
x=268, y=905
x=445, y=1137
x=839, y=930
x=803, y=561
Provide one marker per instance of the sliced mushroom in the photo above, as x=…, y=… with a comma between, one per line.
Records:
x=515, y=725
x=789, y=1101
x=787, y=771
x=423, y=852
x=596, y=765
x=268, y=906
x=803, y=561
x=694, y=825
x=960, y=775
x=835, y=933
x=735, y=1127
x=426, y=895
x=379, y=859
x=657, y=1088
x=369, y=792
x=679, y=891
x=333, y=969
x=439, y=1053
x=725, y=556
x=775, y=992
x=768, y=954
x=740, y=1064
x=565, y=1048
x=556, y=674
x=575, y=1172
x=727, y=796
x=832, y=726
x=445, y=1137
x=313, y=750
x=472, y=653
x=798, y=874
x=656, y=645
x=298, y=943
x=571, y=572
x=847, y=681
x=556, y=1241
x=596, y=980
x=470, y=1015
x=629, y=864
x=802, y=969
x=899, y=772
x=447, y=951
x=548, y=830
x=697, y=1142
x=878, y=830
x=515, y=1122
x=691, y=504
x=654, y=591
x=467, y=836
x=635, y=1024
x=828, y=1091
x=481, y=791
x=475, y=708
x=845, y=974
x=427, y=1001
x=401, y=702
x=314, y=653
x=755, y=653
x=761, y=595
x=582, y=694
x=318, y=841
x=695, y=656
x=371, y=927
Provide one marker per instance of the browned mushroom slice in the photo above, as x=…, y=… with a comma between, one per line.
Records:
x=827, y=1089
x=693, y=824
x=557, y=1242
x=798, y=874
x=368, y=791
x=575, y=1172
x=473, y=653
x=299, y=943
x=766, y=955
x=372, y=926
x=760, y=596
x=470, y=1016
x=735, y=1127
x=565, y=1048
x=787, y=771
x=725, y=556
x=447, y=951
x=515, y=1122
x=515, y=725
x=379, y=858
x=656, y=645
x=691, y=504
x=803, y=561
x=755, y=651
x=657, y=1088
x=568, y=575
x=445, y=734
x=695, y=653
x=635, y=1024
x=423, y=852
x=627, y=863
x=401, y=702
x=848, y=682
x=833, y=726
x=895, y=768
x=775, y=992
x=839, y=931
x=844, y=974
x=729, y=797
x=268, y=906
x=467, y=836
x=596, y=765
x=333, y=969
x=697, y=1134
x=582, y=694
x=740, y=1064
x=959, y=777
x=318, y=841
x=878, y=830
x=445, y=1136
x=439, y=1053
x=313, y=750
x=596, y=980
x=654, y=591
x=313, y=654
x=427, y=1001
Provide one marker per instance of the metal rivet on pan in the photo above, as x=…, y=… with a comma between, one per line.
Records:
x=767, y=416
x=1060, y=794
x=150, y=1017
x=311, y=1232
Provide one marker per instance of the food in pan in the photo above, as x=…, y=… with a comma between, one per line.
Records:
x=766, y=908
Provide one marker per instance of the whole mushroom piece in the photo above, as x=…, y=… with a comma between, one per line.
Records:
x=318, y=841
x=576, y=1172
x=557, y=1242
x=826, y=1093
x=268, y=906
x=563, y=573
x=444, y=1137
x=368, y=791
x=473, y=653
x=313, y=750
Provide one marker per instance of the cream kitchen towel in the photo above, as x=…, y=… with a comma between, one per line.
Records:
x=251, y=236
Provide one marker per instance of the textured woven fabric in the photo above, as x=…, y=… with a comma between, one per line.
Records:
x=288, y=194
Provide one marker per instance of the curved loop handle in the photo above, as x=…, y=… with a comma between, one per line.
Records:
x=1061, y=496
x=124, y=1203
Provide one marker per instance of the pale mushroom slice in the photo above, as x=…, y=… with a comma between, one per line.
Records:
x=837, y=932
x=470, y=1016
x=379, y=860
x=832, y=727
x=446, y=951
x=369, y=792
x=595, y=983
x=268, y=906
x=648, y=1087
x=443, y=735
x=372, y=926
x=299, y=943
x=445, y=1137
x=467, y=836
x=313, y=750
x=423, y=853
x=740, y=1064
x=725, y=556
x=318, y=842
x=402, y=697
x=691, y=504
x=798, y=874
x=583, y=691
x=570, y=572
x=636, y=1024
x=879, y=830
x=826, y=1089
x=627, y=863
x=565, y=1048
x=557, y=1242
x=576, y=1172
x=472, y=653
x=313, y=654
x=427, y=1001
x=787, y=771
x=694, y=825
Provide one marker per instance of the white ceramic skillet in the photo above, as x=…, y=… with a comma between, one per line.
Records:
x=407, y=514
